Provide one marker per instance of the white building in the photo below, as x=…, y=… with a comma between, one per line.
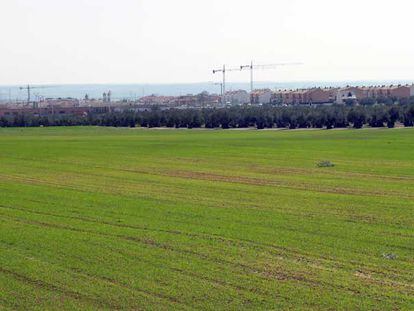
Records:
x=263, y=96
x=238, y=97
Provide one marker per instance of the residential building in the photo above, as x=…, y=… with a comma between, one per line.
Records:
x=156, y=100
x=262, y=96
x=379, y=91
x=238, y=97
x=43, y=112
x=305, y=96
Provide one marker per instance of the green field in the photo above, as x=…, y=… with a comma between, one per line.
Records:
x=105, y=218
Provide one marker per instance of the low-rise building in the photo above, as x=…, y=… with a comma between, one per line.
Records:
x=322, y=95
x=305, y=96
x=191, y=101
x=349, y=93
x=185, y=100
x=238, y=97
x=59, y=102
x=396, y=91
x=156, y=100
x=292, y=97
x=379, y=91
x=262, y=96
x=44, y=112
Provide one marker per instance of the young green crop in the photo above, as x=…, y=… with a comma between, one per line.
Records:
x=105, y=218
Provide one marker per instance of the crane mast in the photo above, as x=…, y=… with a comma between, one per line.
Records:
x=223, y=71
x=252, y=67
x=29, y=88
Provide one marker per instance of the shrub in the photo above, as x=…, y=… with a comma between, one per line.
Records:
x=325, y=164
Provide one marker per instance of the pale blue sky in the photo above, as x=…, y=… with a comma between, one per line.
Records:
x=164, y=41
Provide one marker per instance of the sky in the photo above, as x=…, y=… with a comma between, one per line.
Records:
x=181, y=41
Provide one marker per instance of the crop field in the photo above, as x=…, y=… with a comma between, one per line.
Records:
x=105, y=218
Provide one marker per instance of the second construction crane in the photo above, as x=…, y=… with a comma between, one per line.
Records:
x=29, y=88
x=252, y=67
x=223, y=71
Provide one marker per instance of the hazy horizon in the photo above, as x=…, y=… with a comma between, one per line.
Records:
x=136, y=90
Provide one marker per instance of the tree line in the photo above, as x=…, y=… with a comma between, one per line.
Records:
x=260, y=117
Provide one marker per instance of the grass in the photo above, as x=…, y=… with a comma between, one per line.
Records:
x=101, y=218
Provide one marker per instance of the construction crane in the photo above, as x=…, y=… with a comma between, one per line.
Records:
x=221, y=87
x=29, y=88
x=223, y=71
x=252, y=67
x=39, y=97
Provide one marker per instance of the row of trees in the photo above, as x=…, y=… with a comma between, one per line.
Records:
x=335, y=116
